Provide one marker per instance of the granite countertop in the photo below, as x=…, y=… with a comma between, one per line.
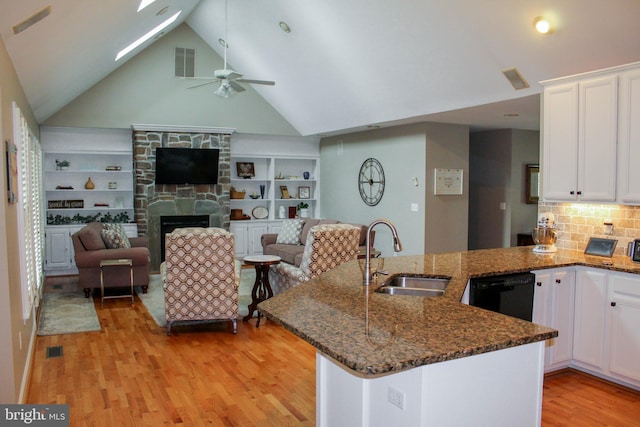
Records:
x=373, y=333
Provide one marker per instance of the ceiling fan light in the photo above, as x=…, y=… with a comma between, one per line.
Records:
x=224, y=90
x=543, y=25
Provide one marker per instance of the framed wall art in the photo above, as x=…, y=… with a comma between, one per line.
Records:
x=245, y=170
x=304, y=192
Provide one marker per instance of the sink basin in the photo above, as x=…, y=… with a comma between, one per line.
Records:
x=414, y=285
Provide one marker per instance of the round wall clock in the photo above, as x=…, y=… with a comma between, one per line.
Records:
x=371, y=181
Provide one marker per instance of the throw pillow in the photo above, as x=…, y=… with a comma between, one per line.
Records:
x=290, y=232
x=115, y=237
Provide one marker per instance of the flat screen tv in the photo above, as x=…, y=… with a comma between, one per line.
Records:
x=187, y=165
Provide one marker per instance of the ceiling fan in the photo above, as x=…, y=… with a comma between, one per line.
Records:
x=229, y=79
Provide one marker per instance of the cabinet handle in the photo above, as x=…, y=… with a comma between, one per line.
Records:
x=579, y=193
x=538, y=283
x=558, y=281
x=572, y=192
x=613, y=303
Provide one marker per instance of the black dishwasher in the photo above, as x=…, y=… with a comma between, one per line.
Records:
x=510, y=294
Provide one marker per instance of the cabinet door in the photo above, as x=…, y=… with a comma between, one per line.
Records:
x=255, y=234
x=274, y=227
x=561, y=316
x=624, y=332
x=560, y=142
x=597, y=139
x=629, y=138
x=590, y=318
x=58, y=248
x=240, y=238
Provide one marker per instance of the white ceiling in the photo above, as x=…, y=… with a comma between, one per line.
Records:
x=345, y=65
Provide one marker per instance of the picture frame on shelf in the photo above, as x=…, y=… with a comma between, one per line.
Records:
x=245, y=170
x=285, y=192
x=304, y=192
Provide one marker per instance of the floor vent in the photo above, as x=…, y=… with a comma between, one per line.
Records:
x=54, y=351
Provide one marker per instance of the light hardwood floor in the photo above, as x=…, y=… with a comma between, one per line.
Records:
x=132, y=374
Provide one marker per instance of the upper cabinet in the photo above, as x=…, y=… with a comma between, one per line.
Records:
x=629, y=138
x=586, y=120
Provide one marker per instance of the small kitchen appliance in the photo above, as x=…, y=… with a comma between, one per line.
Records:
x=545, y=235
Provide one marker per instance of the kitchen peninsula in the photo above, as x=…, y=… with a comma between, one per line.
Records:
x=404, y=360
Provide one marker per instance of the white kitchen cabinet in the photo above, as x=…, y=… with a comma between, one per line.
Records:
x=629, y=138
x=590, y=319
x=239, y=232
x=579, y=139
x=624, y=327
x=553, y=307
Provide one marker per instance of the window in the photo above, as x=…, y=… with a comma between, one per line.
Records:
x=30, y=213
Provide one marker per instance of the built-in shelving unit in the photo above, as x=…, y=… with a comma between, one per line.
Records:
x=275, y=173
x=66, y=196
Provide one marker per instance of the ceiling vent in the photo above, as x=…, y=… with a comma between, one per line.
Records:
x=515, y=78
x=185, y=62
x=33, y=19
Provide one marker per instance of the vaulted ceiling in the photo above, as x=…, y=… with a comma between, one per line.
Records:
x=345, y=65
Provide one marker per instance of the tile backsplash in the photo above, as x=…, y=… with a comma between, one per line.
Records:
x=576, y=222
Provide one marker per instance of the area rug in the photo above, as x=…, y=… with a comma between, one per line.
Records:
x=67, y=313
x=153, y=300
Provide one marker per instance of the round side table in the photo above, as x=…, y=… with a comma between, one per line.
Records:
x=261, y=288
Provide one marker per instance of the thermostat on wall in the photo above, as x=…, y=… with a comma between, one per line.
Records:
x=447, y=182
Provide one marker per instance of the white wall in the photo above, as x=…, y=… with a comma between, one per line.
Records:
x=404, y=153
x=145, y=91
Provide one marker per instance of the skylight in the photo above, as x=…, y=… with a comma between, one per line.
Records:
x=147, y=36
x=144, y=3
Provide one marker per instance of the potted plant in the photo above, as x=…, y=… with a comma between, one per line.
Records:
x=62, y=164
x=303, y=209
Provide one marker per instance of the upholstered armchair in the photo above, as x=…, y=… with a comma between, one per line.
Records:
x=327, y=246
x=202, y=276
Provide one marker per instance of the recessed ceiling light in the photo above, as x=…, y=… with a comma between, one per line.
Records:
x=542, y=25
x=284, y=27
x=147, y=36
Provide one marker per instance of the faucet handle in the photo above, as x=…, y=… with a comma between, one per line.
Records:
x=379, y=272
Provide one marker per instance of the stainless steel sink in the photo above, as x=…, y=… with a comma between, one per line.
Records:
x=414, y=285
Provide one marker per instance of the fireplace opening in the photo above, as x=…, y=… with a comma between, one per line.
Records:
x=169, y=223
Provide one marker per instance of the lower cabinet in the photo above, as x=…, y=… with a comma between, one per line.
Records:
x=553, y=307
x=590, y=318
x=624, y=326
x=248, y=234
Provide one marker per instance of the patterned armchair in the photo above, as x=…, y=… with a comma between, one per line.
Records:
x=327, y=246
x=202, y=276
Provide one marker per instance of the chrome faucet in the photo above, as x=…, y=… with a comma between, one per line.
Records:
x=397, y=247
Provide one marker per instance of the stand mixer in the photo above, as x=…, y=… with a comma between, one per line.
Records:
x=545, y=235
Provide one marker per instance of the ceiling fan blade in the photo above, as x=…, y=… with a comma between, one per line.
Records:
x=236, y=86
x=203, y=84
x=257, y=82
x=201, y=78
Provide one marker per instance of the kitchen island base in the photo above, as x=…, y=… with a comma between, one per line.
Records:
x=498, y=388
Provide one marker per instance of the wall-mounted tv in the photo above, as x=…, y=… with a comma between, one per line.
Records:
x=187, y=165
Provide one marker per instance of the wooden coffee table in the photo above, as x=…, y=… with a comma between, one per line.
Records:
x=261, y=287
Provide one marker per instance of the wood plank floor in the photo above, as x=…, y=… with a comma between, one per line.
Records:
x=132, y=374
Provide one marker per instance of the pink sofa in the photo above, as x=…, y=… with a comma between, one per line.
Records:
x=292, y=254
x=90, y=249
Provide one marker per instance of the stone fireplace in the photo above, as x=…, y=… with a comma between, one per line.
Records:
x=155, y=201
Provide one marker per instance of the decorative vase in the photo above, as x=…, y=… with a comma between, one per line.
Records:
x=262, y=191
x=305, y=175
x=282, y=212
x=89, y=185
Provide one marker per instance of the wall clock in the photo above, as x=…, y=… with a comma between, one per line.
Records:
x=371, y=181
